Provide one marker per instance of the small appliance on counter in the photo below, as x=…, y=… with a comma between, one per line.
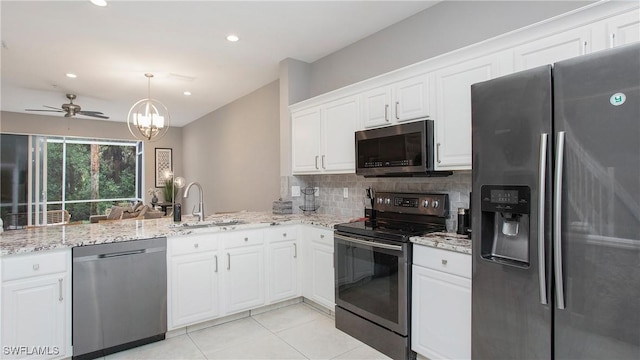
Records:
x=376, y=254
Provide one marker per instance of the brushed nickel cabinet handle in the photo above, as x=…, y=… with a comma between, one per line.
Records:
x=323, y=162
x=195, y=245
x=60, y=298
x=444, y=262
x=228, y=261
x=397, y=117
x=216, y=257
x=386, y=113
x=317, y=168
x=438, y=153
x=295, y=250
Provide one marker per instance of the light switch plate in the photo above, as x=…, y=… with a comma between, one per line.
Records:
x=316, y=191
x=345, y=193
x=295, y=191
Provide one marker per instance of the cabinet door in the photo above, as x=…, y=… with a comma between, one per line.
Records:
x=376, y=105
x=624, y=29
x=283, y=270
x=193, y=289
x=553, y=48
x=339, y=127
x=305, y=137
x=34, y=314
x=411, y=99
x=321, y=269
x=441, y=314
x=453, y=121
x=243, y=278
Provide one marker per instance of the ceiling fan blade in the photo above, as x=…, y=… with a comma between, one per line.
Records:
x=51, y=107
x=95, y=115
x=87, y=112
x=43, y=110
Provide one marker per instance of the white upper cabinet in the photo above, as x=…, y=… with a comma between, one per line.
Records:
x=453, y=110
x=323, y=137
x=339, y=121
x=305, y=140
x=551, y=49
x=405, y=100
x=622, y=29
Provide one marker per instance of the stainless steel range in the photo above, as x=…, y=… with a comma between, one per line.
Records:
x=373, y=269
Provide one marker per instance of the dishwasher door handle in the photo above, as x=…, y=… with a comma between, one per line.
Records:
x=122, y=253
x=117, y=254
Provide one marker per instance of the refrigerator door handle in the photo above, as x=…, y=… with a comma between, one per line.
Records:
x=557, y=217
x=542, y=175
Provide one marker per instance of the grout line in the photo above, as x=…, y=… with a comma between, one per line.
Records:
x=196, y=345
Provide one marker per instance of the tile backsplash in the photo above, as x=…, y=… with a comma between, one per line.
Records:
x=331, y=190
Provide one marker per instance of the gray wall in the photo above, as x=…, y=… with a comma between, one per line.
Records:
x=234, y=153
x=19, y=123
x=439, y=29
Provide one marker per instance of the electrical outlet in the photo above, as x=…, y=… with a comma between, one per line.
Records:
x=295, y=191
x=345, y=193
x=316, y=191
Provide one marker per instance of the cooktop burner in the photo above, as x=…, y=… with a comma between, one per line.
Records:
x=400, y=232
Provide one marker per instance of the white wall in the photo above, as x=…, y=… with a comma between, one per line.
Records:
x=234, y=153
x=439, y=29
x=19, y=123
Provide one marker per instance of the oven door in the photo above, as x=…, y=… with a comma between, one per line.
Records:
x=373, y=280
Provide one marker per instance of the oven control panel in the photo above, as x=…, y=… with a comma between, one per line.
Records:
x=413, y=203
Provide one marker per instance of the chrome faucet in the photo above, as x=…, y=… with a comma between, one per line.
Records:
x=200, y=212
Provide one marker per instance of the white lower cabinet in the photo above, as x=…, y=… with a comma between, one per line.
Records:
x=319, y=278
x=36, y=305
x=193, y=286
x=441, y=304
x=243, y=275
x=282, y=263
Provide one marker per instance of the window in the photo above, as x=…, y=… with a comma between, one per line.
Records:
x=81, y=176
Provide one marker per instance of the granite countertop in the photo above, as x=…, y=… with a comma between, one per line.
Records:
x=65, y=236
x=445, y=240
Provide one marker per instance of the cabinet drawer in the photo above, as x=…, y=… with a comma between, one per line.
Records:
x=442, y=260
x=192, y=244
x=283, y=233
x=241, y=238
x=24, y=266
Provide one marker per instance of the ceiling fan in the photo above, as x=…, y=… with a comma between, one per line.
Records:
x=72, y=109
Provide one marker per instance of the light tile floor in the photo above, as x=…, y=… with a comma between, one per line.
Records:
x=294, y=332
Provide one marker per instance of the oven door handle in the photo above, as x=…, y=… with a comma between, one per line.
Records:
x=369, y=243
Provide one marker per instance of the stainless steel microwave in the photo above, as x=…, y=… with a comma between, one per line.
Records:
x=397, y=150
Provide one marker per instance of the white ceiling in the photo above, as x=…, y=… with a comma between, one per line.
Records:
x=183, y=43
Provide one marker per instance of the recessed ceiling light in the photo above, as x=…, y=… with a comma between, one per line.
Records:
x=99, y=2
x=187, y=93
x=233, y=38
x=70, y=75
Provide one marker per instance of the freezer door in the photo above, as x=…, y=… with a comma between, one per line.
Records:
x=509, y=115
x=597, y=106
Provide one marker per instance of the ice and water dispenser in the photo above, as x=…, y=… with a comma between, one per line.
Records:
x=505, y=224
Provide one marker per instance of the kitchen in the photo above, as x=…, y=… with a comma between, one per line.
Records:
x=267, y=109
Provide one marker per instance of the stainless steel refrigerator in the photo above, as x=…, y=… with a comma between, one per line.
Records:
x=556, y=210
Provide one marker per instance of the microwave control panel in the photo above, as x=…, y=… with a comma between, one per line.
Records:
x=413, y=203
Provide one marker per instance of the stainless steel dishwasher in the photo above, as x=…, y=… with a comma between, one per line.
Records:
x=119, y=296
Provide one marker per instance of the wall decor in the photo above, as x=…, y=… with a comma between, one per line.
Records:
x=164, y=165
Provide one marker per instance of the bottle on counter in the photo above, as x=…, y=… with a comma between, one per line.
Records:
x=177, y=213
x=463, y=221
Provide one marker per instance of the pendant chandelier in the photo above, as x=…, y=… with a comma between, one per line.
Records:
x=148, y=118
